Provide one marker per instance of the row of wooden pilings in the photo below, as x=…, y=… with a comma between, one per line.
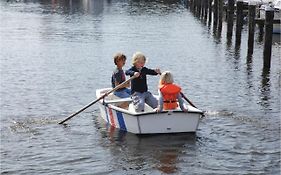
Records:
x=208, y=9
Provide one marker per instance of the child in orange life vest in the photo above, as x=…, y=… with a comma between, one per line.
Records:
x=169, y=93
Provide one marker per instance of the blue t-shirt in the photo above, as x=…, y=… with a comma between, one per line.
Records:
x=118, y=76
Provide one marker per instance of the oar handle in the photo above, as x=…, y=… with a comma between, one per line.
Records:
x=187, y=100
x=101, y=97
x=120, y=85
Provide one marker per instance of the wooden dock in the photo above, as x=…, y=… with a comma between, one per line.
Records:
x=213, y=11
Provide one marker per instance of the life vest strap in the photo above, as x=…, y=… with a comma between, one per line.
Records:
x=169, y=101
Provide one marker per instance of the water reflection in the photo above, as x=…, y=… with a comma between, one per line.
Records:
x=228, y=41
x=217, y=33
x=220, y=28
x=265, y=88
x=237, y=51
x=161, y=151
x=260, y=33
x=94, y=7
x=168, y=160
x=249, y=64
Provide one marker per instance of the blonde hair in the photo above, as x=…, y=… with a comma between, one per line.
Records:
x=119, y=56
x=166, y=78
x=138, y=56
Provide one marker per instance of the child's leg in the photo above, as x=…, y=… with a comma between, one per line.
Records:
x=122, y=94
x=160, y=102
x=151, y=100
x=138, y=101
x=128, y=91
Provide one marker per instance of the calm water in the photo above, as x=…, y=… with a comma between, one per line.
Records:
x=55, y=54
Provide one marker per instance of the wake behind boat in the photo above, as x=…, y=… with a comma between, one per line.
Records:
x=149, y=121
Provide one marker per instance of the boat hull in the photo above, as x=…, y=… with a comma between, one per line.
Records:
x=150, y=123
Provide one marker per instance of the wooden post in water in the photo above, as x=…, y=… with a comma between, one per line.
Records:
x=210, y=11
x=251, y=26
x=220, y=15
x=187, y=3
x=261, y=30
x=191, y=4
x=269, y=15
x=230, y=11
x=216, y=2
x=202, y=9
x=195, y=6
x=239, y=21
x=206, y=5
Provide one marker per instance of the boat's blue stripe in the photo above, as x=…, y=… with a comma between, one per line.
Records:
x=107, y=120
x=121, y=121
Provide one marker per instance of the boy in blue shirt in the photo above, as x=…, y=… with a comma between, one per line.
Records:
x=118, y=77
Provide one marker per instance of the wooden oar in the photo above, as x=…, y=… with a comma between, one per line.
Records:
x=188, y=100
x=203, y=112
x=93, y=102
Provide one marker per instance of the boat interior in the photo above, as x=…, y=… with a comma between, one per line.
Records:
x=126, y=103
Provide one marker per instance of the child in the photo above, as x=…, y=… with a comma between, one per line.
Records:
x=140, y=93
x=118, y=77
x=169, y=93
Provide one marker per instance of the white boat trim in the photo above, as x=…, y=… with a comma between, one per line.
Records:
x=119, y=100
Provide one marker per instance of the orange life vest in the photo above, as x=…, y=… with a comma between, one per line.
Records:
x=169, y=93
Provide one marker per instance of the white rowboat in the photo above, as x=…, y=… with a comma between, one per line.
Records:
x=149, y=121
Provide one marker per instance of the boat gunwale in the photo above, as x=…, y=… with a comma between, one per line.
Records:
x=147, y=113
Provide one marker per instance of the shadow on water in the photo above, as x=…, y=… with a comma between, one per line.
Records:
x=158, y=151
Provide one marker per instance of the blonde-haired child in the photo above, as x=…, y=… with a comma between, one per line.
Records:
x=139, y=88
x=169, y=93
